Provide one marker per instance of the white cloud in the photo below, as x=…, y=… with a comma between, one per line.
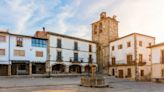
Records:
x=21, y=12
x=74, y=18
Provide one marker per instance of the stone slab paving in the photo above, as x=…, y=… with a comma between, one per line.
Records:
x=71, y=85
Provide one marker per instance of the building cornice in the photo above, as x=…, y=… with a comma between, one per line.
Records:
x=156, y=45
x=70, y=37
x=133, y=34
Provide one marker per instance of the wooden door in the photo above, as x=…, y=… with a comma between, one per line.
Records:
x=121, y=74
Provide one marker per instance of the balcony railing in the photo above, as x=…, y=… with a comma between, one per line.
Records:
x=90, y=60
x=59, y=59
x=141, y=63
x=122, y=63
x=76, y=60
x=76, y=48
x=59, y=46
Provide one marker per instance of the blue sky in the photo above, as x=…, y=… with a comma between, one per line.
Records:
x=73, y=17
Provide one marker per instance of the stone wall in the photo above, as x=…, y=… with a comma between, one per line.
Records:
x=104, y=31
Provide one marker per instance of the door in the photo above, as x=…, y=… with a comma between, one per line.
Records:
x=113, y=72
x=162, y=56
x=129, y=72
x=34, y=69
x=121, y=74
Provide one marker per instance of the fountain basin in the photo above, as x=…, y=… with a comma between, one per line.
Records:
x=93, y=82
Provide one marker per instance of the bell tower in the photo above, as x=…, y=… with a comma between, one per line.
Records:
x=104, y=31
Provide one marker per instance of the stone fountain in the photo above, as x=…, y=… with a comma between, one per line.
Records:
x=93, y=80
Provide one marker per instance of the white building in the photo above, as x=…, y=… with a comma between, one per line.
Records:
x=129, y=56
x=20, y=54
x=4, y=53
x=68, y=54
x=157, y=53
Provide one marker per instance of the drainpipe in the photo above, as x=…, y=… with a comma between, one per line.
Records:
x=108, y=57
x=9, y=57
x=151, y=72
x=135, y=53
x=48, y=57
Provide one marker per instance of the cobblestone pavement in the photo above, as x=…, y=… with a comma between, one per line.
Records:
x=71, y=85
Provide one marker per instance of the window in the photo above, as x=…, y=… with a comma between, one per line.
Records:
x=95, y=32
x=2, y=38
x=120, y=46
x=129, y=59
x=59, y=55
x=76, y=57
x=39, y=42
x=140, y=58
x=113, y=61
x=95, y=29
x=90, y=48
x=142, y=72
x=112, y=48
x=19, y=42
x=162, y=73
x=162, y=56
x=39, y=53
x=75, y=46
x=59, y=45
x=129, y=72
x=19, y=53
x=140, y=43
x=128, y=44
x=149, y=44
x=2, y=52
x=100, y=27
x=90, y=58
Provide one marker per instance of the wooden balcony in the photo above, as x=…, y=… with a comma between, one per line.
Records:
x=142, y=63
x=131, y=63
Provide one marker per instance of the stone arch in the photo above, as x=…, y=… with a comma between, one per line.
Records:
x=58, y=68
x=75, y=68
x=87, y=68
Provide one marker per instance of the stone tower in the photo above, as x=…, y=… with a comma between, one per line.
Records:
x=103, y=31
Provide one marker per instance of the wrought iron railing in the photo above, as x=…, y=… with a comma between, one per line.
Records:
x=76, y=60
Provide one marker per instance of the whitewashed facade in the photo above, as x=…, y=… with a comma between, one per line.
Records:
x=67, y=49
x=129, y=56
x=30, y=51
x=4, y=45
x=157, y=53
x=20, y=55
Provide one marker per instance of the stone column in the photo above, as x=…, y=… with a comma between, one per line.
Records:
x=30, y=68
x=82, y=69
x=48, y=67
x=9, y=70
x=67, y=69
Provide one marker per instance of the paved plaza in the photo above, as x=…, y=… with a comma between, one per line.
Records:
x=71, y=84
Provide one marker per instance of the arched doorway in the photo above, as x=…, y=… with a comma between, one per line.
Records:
x=75, y=69
x=87, y=68
x=58, y=68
